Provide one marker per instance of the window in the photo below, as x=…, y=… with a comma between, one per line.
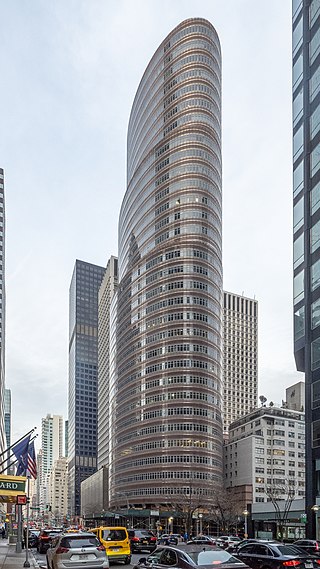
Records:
x=298, y=143
x=298, y=178
x=315, y=122
x=297, y=71
x=316, y=394
x=297, y=38
x=316, y=434
x=298, y=249
x=315, y=237
x=315, y=275
x=314, y=84
x=314, y=46
x=315, y=354
x=315, y=160
x=299, y=323
x=314, y=12
x=297, y=107
x=315, y=314
x=315, y=198
x=298, y=215
x=298, y=287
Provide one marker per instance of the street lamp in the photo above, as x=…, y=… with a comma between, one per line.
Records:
x=315, y=508
x=170, y=520
x=200, y=523
x=245, y=513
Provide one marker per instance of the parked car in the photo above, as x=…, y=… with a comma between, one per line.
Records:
x=235, y=546
x=142, y=540
x=202, y=539
x=308, y=545
x=33, y=537
x=190, y=556
x=226, y=540
x=276, y=556
x=45, y=537
x=76, y=551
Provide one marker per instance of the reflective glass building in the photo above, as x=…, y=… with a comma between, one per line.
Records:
x=83, y=381
x=306, y=229
x=3, y=443
x=167, y=425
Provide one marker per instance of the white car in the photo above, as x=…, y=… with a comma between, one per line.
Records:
x=226, y=540
x=76, y=551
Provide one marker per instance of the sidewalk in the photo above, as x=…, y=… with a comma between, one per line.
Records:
x=9, y=559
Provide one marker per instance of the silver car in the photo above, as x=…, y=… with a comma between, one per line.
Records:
x=77, y=551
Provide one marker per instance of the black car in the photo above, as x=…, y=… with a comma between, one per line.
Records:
x=276, y=556
x=45, y=537
x=190, y=556
x=309, y=545
x=142, y=540
x=234, y=547
x=168, y=539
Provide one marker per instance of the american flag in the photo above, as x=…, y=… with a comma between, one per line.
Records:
x=32, y=464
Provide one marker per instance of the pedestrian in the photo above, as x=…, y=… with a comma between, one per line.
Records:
x=3, y=532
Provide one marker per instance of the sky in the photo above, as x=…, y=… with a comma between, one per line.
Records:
x=69, y=70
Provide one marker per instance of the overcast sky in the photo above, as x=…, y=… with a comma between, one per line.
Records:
x=69, y=70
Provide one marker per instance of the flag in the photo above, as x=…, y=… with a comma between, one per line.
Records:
x=32, y=464
x=20, y=451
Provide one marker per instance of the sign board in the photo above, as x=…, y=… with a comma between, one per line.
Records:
x=12, y=485
x=154, y=512
x=22, y=499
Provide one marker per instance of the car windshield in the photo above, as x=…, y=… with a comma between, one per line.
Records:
x=73, y=542
x=211, y=557
x=113, y=534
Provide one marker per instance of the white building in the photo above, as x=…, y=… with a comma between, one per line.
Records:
x=58, y=490
x=266, y=449
x=52, y=449
x=240, y=351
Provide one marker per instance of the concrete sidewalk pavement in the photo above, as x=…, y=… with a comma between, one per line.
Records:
x=10, y=559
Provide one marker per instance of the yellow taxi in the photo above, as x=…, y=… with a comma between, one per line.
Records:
x=116, y=542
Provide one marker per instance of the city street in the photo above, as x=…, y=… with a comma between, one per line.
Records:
x=41, y=559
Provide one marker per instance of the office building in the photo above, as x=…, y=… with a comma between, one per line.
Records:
x=107, y=290
x=306, y=228
x=3, y=444
x=167, y=421
x=83, y=377
x=265, y=454
x=240, y=350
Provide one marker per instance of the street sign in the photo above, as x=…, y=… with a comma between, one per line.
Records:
x=22, y=499
x=33, y=508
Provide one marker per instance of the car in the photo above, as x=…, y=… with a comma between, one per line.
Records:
x=76, y=551
x=116, y=542
x=276, y=556
x=142, y=540
x=190, y=556
x=33, y=537
x=309, y=545
x=169, y=539
x=235, y=546
x=226, y=540
x=202, y=539
x=45, y=537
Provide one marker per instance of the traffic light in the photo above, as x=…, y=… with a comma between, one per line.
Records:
x=28, y=500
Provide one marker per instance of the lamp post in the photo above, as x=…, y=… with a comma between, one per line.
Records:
x=170, y=520
x=200, y=523
x=245, y=513
x=315, y=508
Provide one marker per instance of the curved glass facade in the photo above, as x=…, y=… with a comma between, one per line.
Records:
x=167, y=420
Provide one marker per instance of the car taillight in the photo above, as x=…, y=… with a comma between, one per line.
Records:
x=62, y=549
x=101, y=548
x=317, y=546
x=317, y=561
x=45, y=537
x=135, y=539
x=291, y=563
x=153, y=539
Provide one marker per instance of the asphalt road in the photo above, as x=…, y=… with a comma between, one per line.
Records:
x=41, y=559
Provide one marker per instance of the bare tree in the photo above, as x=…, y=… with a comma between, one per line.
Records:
x=226, y=510
x=281, y=495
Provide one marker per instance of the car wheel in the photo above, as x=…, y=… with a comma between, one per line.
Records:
x=127, y=560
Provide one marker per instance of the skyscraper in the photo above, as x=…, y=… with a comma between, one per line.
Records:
x=240, y=348
x=107, y=290
x=2, y=311
x=83, y=381
x=306, y=228
x=52, y=449
x=167, y=420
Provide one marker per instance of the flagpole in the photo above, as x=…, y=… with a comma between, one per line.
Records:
x=16, y=460
x=26, y=563
x=16, y=442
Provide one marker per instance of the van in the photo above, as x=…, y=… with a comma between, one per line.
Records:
x=116, y=542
